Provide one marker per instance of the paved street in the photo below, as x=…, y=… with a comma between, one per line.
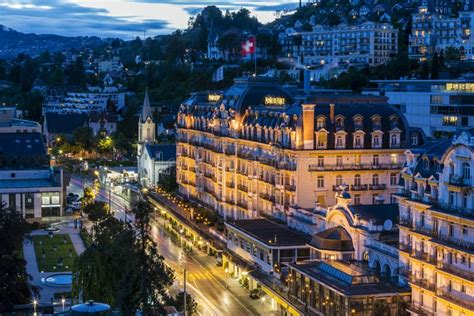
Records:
x=206, y=281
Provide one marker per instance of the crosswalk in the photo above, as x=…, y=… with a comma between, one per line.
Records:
x=199, y=276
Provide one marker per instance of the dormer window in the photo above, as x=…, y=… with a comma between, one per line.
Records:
x=414, y=140
x=393, y=122
x=358, y=141
x=376, y=123
x=320, y=123
x=339, y=141
x=426, y=164
x=358, y=122
x=394, y=140
x=339, y=123
x=376, y=141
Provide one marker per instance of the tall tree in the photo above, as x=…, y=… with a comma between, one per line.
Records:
x=14, y=288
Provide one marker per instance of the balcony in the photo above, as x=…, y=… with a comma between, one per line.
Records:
x=243, y=188
x=351, y=167
x=449, y=268
x=420, y=311
x=242, y=204
x=381, y=186
x=267, y=197
x=289, y=187
x=423, y=283
x=337, y=188
x=230, y=185
x=454, y=243
x=459, y=182
x=455, y=299
x=360, y=187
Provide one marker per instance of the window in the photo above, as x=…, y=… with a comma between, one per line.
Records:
x=375, y=160
x=320, y=182
x=376, y=141
x=339, y=180
x=414, y=140
x=12, y=200
x=339, y=142
x=394, y=140
x=357, y=180
x=393, y=179
x=339, y=123
x=13, y=175
x=464, y=199
x=358, y=141
x=466, y=171
x=320, y=161
x=452, y=198
x=376, y=123
x=464, y=230
x=357, y=199
x=450, y=230
x=393, y=122
x=339, y=161
x=426, y=164
x=320, y=122
x=358, y=122
x=375, y=179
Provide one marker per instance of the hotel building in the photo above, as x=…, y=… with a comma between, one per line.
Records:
x=254, y=151
x=436, y=203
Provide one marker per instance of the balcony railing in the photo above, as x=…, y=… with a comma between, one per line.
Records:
x=267, y=197
x=455, y=243
x=459, y=181
x=381, y=186
x=290, y=187
x=360, y=187
x=242, y=187
x=242, y=204
x=455, y=299
x=423, y=283
x=367, y=166
x=230, y=185
x=465, y=274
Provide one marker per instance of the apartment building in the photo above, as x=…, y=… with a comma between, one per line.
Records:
x=438, y=107
x=366, y=43
x=253, y=150
x=434, y=31
x=83, y=102
x=27, y=181
x=436, y=203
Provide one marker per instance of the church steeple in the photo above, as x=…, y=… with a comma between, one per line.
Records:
x=146, y=125
x=146, y=109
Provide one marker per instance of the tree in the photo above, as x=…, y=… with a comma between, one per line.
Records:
x=88, y=197
x=191, y=305
x=14, y=288
x=82, y=136
x=168, y=180
x=123, y=268
x=96, y=210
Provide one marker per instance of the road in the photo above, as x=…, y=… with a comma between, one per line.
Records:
x=215, y=293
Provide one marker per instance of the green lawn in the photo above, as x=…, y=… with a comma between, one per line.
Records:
x=50, y=262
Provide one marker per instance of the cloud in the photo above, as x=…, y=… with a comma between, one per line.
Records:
x=118, y=18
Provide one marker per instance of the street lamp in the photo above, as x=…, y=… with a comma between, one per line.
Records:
x=225, y=277
x=63, y=300
x=34, y=306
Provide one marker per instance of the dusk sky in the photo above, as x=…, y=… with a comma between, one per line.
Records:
x=122, y=18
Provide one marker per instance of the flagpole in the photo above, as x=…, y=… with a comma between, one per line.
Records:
x=255, y=56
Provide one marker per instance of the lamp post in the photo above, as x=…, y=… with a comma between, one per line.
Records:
x=63, y=300
x=34, y=306
x=225, y=277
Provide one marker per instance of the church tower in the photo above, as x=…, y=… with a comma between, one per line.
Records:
x=146, y=125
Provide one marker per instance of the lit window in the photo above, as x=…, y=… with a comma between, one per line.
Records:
x=320, y=182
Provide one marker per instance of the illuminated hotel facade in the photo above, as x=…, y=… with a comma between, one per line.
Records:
x=436, y=203
x=254, y=150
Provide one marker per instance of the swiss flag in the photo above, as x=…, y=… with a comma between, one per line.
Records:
x=248, y=47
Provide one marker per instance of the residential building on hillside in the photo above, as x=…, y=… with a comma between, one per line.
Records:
x=27, y=181
x=435, y=106
x=434, y=29
x=83, y=102
x=344, y=45
x=253, y=150
x=102, y=122
x=153, y=159
x=436, y=203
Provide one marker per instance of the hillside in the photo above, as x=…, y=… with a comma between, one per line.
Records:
x=13, y=42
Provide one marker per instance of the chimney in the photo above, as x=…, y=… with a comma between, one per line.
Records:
x=331, y=111
x=307, y=82
x=308, y=126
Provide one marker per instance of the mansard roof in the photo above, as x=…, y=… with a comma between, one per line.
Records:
x=22, y=151
x=431, y=151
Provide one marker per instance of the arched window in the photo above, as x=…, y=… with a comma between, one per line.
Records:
x=358, y=122
x=375, y=179
x=338, y=180
x=357, y=180
x=426, y=164
x=376, y=123
x=358, y=141
x=339, y=142
x=394, y=122
x=320, y=122
x=451, y=168
x=148, y=133
x=466, y=171
x=340, y=122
